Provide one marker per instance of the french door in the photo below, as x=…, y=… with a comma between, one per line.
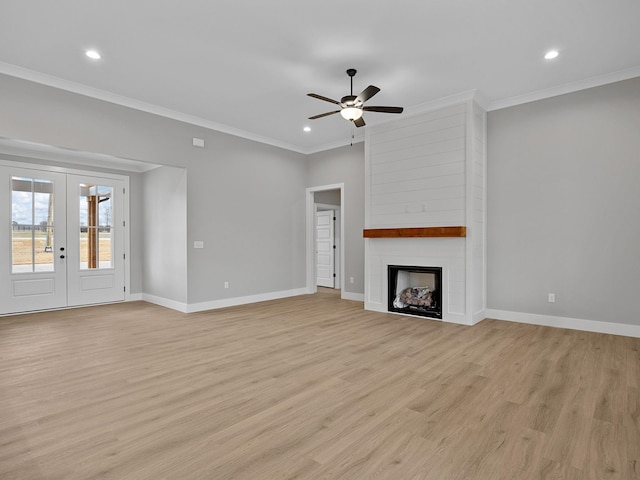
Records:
x=61, y=240
x=95, y=246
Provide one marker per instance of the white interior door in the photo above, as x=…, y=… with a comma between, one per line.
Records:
x=325, y=264
x=33, y=272
x=337, y=251
x=95, y=239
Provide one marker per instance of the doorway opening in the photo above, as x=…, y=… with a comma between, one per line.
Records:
x=325, y=237
x=328, y=248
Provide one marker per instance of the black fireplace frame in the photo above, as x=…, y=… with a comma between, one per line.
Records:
x=392, y=279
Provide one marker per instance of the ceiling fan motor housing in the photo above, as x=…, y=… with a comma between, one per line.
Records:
x=349, y=100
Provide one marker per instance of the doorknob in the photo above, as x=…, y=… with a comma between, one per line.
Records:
x=61, y=256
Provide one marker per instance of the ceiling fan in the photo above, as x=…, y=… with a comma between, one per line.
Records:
x=351, y=106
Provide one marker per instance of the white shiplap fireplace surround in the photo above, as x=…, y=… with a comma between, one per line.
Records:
x=429, y=170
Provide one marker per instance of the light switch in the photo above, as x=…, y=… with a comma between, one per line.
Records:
x=198, y=244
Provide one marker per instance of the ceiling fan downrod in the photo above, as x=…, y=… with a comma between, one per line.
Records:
x=351, y=72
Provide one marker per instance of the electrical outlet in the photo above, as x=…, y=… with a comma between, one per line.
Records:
x=552, y=297
x=226, y=284
x=350, y=279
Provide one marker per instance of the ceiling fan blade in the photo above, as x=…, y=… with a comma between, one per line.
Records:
x=320, y=97
x=367, y=93
x=384, y=109
x=323, y=115
x=359, y=122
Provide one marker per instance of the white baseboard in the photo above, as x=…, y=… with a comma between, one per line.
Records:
x=375, y=307
x=357, y=297
x=232, y=302
x=227, y=302
x=565, y=322
x=165, y=302
x=457, y=318
x=478, y=316
x=133, y=297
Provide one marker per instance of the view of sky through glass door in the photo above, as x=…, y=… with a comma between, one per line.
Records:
x=32, y=225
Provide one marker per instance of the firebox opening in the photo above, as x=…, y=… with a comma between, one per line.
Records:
x=415, y=290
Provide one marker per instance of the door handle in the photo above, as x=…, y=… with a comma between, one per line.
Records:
x=61, y=256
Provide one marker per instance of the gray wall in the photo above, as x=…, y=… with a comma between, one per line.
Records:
x=247, y=203
x=164, y=221
x=564, y=203
x=346, y=165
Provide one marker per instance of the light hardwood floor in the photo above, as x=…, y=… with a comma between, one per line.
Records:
x=311, y=387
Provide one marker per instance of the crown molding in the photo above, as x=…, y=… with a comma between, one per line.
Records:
x=73, y=87
x=566, y=88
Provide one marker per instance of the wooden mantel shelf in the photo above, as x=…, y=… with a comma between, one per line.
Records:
x=415, y=232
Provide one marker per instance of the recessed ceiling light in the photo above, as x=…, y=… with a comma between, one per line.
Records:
x=93, y=54
x=307, y=129
x=551, y=54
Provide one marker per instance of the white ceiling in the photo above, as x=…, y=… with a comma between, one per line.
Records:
x=245, y=67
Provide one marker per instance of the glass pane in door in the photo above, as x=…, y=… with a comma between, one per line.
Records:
x=96, y=248
x=32, y=225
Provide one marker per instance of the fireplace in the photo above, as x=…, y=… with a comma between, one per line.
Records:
x=415, y=290
x=425, y=205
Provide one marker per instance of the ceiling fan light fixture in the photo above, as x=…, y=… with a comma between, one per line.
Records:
x=351, y=113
